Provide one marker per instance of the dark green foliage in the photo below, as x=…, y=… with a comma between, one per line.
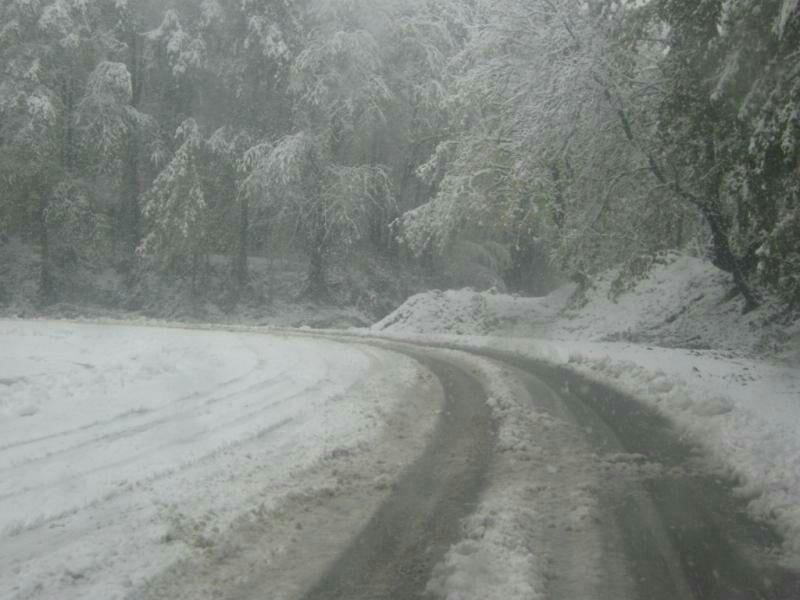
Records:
x=729, y=126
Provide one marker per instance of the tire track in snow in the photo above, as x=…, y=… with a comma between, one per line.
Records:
x=282, y=551
x=165, y=414
x=156, y=450
x=59, y=539
x=134, y=414
x=394, y=555
x=673, y=530
x=66, y=484
x=681, y=528
x=133, y=429
x=80, y=488
x=110, y=421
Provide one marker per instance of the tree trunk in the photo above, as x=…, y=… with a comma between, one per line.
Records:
x=241, y=270
x=317, y=287
x=134, y=63
x=193, y=275
x=68, y=141
x=131, y=211
x=518, y=277
x=723, y=257
x=559, y=207
x=678, y=228
x=46, y=286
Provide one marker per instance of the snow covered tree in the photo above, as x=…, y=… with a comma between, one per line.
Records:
x=34, y=121
x=549, y=134
x=726, y=130
x=319, y=179
x=174, y=60
x=142, y=142
x=55, y=55
x=251, y=48
x=29, y=169
x=253, y=43
x=427, y=37
x=327, y=202
x=536, y=156
x=176, y=208
x=758, y=80
x=224, y=150
x=105, y=115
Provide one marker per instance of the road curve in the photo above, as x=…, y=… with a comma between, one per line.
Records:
x=682, y=531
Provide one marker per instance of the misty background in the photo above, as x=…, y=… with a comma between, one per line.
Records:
x=235, y=158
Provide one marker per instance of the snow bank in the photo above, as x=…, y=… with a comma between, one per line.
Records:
x=677, y=301
x=674, y=301
x=467, y=312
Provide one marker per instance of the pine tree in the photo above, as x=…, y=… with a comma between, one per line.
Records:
x=176, y=209
x=316, y=179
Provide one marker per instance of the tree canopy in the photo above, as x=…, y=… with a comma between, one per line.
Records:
x=576, y=136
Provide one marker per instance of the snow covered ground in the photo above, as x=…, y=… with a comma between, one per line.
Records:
x=670, y=338
x=125, y=451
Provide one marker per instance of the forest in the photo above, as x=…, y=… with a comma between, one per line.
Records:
x=161, y=153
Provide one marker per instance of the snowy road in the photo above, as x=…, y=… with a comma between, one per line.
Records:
x=587, y=494
x=393, y=556
x=145, y=463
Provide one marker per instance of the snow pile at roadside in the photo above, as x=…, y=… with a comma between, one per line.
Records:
x=673, y=300
x=467, y=312
x=126, y=450
x=458, y=312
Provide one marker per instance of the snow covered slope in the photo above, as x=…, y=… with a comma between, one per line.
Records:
x=675, y=301
x=467, y=312
x=124, y=450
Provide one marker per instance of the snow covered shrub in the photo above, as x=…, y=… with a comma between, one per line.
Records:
x=176, y=207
